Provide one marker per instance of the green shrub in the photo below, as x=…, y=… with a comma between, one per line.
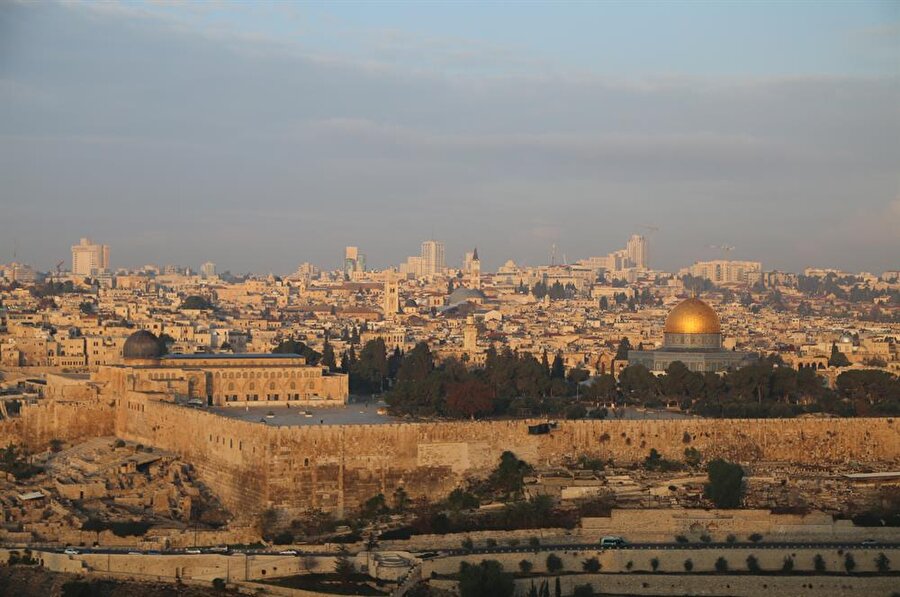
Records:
x=721, y=565
x=688, y=565
x=654, y=563
x=849, y=563
x=554, y=563
x=753, y=564
x=882, y=563
x=819, y=563
x=591, y=565
x=755, y=537
x=526, y=566
x=788, y=564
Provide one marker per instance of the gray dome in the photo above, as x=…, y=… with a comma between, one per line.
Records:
x=462, y=294
x=143, y=345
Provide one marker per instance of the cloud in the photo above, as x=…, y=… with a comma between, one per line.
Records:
x=258, y=155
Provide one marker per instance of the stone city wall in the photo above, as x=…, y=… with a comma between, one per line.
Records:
x=644, y=525
x=252, y=466
x=70, y=421
x=336, y=468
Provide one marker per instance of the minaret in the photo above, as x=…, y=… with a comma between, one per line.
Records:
x=475, y=272
x=470, y=336
x=391, y=304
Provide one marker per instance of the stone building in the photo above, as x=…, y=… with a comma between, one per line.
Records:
x=692, y=335
x=249, y=379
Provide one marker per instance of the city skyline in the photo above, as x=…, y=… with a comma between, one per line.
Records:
x=511, y=146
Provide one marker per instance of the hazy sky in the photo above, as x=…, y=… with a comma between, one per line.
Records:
x=261, y=136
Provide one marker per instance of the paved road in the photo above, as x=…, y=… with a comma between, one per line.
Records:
x=517, y=549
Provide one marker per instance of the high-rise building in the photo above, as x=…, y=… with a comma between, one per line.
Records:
x=354, y=261
x=637, y=251
x=208, y=270
x=88, y=258
x=432, y=258
x=726, y=272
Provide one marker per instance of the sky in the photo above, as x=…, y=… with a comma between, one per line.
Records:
x=260, y=136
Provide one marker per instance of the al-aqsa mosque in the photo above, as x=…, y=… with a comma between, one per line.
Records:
x=693, y=336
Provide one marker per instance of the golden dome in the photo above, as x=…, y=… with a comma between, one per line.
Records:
x=692, y=316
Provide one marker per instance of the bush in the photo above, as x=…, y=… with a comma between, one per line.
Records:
x=592, y=565
x=491, y=542
x=654, y=563
x=725, y=485
x=883, y=563
x=526, y=566
x=849, y=563
x=629, y=565
x=755, y=537
x=730, y=538
x=554, y=563
x=283, y=538
x=583, y=591
x=467, y=544
x=688, y=565
x=788, y=564
x=218, y=584
x=819, y=563
x=681, y=539
x=753, y=564
x=534, y=542
x=721, y=565
x=487, y=578
x=705, y=538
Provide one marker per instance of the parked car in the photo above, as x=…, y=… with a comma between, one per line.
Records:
x=70, y=552
x=612, y=542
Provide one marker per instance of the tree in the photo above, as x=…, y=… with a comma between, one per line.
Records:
x=554, y=563
x=788, y=564
x=196, y=302
x=591, y=565
x=558, y=369
x=654, y=564
x=725, y=484
x=328, y=359
x=469, y=398
x=849, y=563
x=622, y=351
x=509, y=474
x=487, y=579
x=585, y=590
x=343, y=567
x=291, y=346
x=819, y=563
x=526, y=566
x=375, y=506
x=692, y=457
x=882, y=563
x=753, y=564
x=837, y=358
x=721, y=565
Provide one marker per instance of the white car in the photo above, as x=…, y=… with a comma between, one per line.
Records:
x=192, y=550
x=70, y=552
x=288, y=552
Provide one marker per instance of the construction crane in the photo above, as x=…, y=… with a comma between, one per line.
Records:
x=726, y=249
